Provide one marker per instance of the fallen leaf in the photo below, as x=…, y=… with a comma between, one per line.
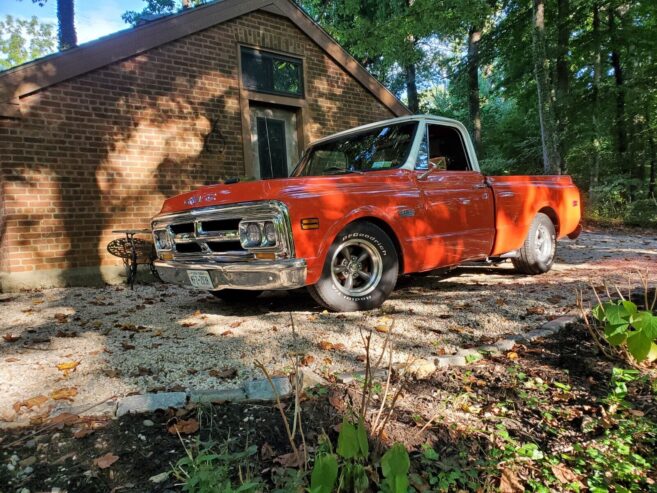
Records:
x=234, y=325
x=11, y=359
x=35, y=401
x=183, y=426
x=512, y=355
x=62, y=318
x=67, y=367
x=563, y=473
x=64, y=419
x=66, y=393
x=266, y=452
x=188, y=324
x=337, y=401
x=307, y=360
x=223, y=373
x=509, y=482
x=227, y=333
x=290, y=460
x=127, y=346
x=105, y=461
x=11, y=337
x=384, y=329
x=339, y=347
x=325, y=345
x=535, y=310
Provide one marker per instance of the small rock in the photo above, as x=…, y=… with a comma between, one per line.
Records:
x=260, y=390
x=445, y=361
x=159, y=478
x=29, y=461
x=311, y=379
x=421, y=368
x=150, y=402
x=27, y=471
x=505, y=344
x=148, y=422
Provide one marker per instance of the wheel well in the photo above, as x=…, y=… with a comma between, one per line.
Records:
x=549, y=212
x=390, y=232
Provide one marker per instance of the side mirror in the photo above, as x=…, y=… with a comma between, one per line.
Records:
x=432, y=167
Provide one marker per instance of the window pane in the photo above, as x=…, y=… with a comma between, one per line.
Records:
x=267, y=72
x=446, y=149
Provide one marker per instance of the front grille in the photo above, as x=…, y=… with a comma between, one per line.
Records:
x=214, y=231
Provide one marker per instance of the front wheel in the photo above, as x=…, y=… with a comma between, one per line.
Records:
x=360, y=270
x=536, y=255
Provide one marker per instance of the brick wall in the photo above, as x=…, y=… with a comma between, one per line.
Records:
x=102, y=151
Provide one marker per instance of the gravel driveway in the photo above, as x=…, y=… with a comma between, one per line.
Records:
x=159, y=337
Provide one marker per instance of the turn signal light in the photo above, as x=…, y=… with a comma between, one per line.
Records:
x=310, y=223
x=265, y=256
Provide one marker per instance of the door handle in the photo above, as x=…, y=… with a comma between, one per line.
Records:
x=479, y=186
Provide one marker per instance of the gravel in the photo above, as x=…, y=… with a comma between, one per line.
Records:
x=163, y=338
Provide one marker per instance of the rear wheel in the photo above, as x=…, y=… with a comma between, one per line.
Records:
x=236, y=295
x=360, y=270
x=536, y=255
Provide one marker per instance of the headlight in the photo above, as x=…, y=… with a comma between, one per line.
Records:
x=270, y=233
x=162, y=239
x=258, y=234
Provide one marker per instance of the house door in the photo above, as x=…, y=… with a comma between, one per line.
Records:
x=274, y=141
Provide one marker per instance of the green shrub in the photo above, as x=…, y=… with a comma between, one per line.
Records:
x=641, y=213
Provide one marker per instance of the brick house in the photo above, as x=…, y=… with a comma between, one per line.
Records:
x=94, y=138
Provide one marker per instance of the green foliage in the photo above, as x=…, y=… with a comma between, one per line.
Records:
x=642, y=213
x=157, y=8
x=395, y=465
x=325, y=474
x=207, y=468
x=625, y=325
x=23, y=40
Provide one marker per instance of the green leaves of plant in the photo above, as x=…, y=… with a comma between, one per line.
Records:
x=395, y=464
x=624, y=323
x=352, y=440
x=325, y=474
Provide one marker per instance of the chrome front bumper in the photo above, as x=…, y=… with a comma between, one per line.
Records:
x=252, y=275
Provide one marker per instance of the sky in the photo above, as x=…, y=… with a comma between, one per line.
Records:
x=94, y=18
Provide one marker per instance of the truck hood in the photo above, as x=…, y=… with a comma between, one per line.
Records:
x=280, y=189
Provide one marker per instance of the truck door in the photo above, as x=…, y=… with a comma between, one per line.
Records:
x=459, y=203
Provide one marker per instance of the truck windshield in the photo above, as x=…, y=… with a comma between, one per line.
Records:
x=374, y=149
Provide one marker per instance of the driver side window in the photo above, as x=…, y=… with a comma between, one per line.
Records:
x=444, y=147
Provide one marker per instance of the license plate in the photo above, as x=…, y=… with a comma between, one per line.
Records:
x=200, y=279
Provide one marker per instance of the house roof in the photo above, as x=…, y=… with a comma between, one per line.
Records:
x=44, y=72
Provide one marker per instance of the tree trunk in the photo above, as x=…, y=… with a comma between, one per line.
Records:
x=561, y=106
x=411, y=88
x=66, y=19
x=551, y=156
x=595, y=96
x=474, y=105
x=620, y=124
x=653, y=165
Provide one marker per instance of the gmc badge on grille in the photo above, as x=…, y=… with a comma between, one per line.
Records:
x=197, y=199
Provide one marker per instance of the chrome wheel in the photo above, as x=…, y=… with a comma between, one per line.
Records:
x=544, y=241
x=356, y=268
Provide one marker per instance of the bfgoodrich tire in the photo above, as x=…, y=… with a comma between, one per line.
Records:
x=536, y=255
x=360, y=270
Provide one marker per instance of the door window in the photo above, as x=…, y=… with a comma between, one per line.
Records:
x=444, y=147
x=272, y=148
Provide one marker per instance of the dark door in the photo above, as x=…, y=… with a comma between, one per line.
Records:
x=272, y=149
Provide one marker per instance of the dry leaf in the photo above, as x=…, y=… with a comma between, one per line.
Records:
x=11, y=337
x=64, y=394
x=326, y=345
x=64, y=419
x=67, y=367
x=337, y=401
x=83, y=432
x=290, y=460
x=227, y=333
x=307, y=360
x=266, y=452
x=223, y=373
x=31, y=402
x=183, y=426
x=509, y=482
x=382, y=329
x=127, y=346
x=62, y=318
x=11, y=360
x=105, y=461
x=563, y=474
x=188, y=324
x=535, y=310
x=234, y=325
x=512, y=355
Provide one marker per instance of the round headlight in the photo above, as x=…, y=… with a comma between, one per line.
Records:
x=253, y=234
x=270, y=233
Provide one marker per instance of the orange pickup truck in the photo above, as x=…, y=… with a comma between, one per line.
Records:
x=362, y=207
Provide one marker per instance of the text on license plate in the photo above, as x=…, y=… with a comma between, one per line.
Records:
x=200, y=279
